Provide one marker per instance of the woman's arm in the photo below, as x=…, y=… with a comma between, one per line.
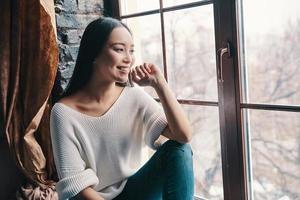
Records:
x=178, y=127
x=88, y=194
x=74, y=175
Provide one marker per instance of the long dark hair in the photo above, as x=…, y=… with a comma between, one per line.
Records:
x=93, y=40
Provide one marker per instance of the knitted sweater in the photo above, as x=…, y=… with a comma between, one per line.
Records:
x=102, y=152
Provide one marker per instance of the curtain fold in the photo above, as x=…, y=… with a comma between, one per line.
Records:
x=28, y=58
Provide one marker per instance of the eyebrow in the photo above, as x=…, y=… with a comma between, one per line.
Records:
x=121, y=43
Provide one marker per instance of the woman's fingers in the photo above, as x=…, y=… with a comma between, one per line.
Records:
x=147, y=67
x=134, y=74
x=140, y=71
x=144, y=74
x=144, y=69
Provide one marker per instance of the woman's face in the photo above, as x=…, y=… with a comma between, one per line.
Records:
x=116, y=58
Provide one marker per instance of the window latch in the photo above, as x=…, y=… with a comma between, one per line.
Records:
x=220, y=53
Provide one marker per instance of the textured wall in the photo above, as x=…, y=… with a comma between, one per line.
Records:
x=72, y=16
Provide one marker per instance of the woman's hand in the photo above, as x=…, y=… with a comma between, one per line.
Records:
x=88, y=194
x=179, y=127
x=146, y=75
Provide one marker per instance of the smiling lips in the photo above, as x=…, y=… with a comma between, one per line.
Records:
x=123, y=68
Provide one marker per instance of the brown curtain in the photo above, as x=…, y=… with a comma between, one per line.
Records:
x=28, y=59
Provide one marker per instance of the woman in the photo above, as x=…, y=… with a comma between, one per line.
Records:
x=104, y=119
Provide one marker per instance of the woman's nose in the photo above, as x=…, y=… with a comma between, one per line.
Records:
x=128, y=58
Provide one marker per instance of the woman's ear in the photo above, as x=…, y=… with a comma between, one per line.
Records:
x=95, y=62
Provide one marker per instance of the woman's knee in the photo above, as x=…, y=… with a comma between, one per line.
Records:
x=178, y=162
x=174, y=147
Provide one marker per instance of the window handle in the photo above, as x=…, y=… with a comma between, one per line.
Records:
x=220, y=54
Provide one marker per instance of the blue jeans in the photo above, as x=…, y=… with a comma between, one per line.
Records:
x=167, y=175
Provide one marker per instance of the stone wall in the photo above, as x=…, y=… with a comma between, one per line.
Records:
x=72, y=16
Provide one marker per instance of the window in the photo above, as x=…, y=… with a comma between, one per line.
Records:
x=235, y=70
x=270, y=77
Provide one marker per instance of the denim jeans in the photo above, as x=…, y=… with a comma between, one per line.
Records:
x=168, y=175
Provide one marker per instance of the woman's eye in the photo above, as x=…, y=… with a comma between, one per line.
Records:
x=132, y=51
x=119, y=49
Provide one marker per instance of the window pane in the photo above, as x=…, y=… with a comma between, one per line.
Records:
x=272, y=46
x=147, y=41
x=207, y=151
x=168, y=3
x=191, y=53
x=275, y=147
x=135, y=6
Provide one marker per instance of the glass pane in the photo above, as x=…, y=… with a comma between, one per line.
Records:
x=147, y=41
x=272, y=46
x=207, y=151
x=136, y=6
x=190, y=52
x=168, y=3
x=275, y=147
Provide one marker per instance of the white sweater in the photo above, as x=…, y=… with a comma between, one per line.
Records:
x=102, y=152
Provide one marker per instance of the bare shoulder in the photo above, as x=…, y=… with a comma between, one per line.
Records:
x=69, y=101
x=75, y=102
